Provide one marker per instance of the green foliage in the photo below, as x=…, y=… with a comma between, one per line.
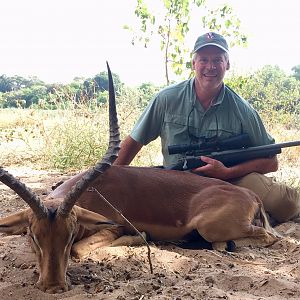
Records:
x=17, y=91
x=170, y=22
x=24, y=93
x=5, y=84
x=146, y=92
x=296, y=70
x=270, y=91
x=92, y=87
x=15, y=83
x=223, y=20
x=24, y=97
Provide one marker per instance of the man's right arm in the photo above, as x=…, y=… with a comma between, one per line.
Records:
x=129, y=149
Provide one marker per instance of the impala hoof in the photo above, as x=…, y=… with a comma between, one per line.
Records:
x=230, y=246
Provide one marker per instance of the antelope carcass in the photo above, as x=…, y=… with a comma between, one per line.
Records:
x=165, y=204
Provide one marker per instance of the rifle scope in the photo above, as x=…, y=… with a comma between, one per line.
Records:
x=236, y=142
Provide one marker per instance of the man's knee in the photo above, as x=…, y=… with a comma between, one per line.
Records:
x=280, y=201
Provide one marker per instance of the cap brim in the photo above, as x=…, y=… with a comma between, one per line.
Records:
x=211, y=44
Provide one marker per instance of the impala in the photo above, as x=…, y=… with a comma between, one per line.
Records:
x=165, y=204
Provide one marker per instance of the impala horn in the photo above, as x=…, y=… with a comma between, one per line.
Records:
x=25, y=193
x=107, y=160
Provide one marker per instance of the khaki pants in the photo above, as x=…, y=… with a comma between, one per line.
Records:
x=280, y=201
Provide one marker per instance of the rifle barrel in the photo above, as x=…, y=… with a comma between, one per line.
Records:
x=266, y=147
x=236, y=156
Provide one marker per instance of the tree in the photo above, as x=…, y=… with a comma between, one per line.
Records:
x=270, y=90
x=15, y=83
x=296, y=70
x=171, y=24
x=101, y=81
x=25, y=97
x=5, y=84
x=146, y=92
x=99, y=85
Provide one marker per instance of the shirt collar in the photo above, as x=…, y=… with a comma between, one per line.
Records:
x=193, y=97
x=220, y=97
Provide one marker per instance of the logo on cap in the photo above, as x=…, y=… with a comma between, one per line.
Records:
x=211, y=38
x=209, y=35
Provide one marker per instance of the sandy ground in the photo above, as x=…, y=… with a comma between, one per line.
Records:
x=123, y=272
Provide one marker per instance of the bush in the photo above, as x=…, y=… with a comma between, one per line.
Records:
x=273, y=93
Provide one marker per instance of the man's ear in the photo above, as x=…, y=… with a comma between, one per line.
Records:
x=193, y=64
x=228, y=65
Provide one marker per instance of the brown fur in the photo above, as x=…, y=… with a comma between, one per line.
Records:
x=167, y=205
x=170, y=204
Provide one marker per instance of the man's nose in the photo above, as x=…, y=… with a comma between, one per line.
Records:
x=211, y=65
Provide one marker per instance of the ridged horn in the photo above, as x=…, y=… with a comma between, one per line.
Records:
x=25, y=193
x=107, y=160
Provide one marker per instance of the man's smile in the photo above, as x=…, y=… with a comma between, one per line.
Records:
x=210, y=75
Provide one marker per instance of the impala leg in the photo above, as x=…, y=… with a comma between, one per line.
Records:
x=129, y=240
x=258, y=237
x=219, y=246
x=99, y=239
x=244, y=242
x=265, y=241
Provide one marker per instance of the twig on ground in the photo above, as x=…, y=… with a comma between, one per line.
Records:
x=136, y=230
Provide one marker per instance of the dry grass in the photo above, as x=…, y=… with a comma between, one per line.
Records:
x=289, y=159
x=66, y=140
x=20, y=135
x=63, y=139
x=74, y=139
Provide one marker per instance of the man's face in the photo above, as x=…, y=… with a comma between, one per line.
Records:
x=210, y=65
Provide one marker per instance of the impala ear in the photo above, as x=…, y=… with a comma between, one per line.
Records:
x=92, y=220
x=16, y=223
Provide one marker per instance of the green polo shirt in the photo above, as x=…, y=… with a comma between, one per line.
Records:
x=177, y=117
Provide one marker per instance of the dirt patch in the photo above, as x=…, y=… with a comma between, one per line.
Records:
x=123, y=272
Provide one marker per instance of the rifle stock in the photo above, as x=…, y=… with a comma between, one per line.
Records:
x=233, y=157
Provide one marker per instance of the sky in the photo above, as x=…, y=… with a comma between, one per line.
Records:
x=58, y=40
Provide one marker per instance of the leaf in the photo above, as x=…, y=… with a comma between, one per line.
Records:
x=170, y=26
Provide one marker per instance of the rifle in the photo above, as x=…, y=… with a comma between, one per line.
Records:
x=230, y=152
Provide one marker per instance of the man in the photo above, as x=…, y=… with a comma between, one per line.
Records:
x=204, y=108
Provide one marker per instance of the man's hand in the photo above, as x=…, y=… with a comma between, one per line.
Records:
x=214, y=168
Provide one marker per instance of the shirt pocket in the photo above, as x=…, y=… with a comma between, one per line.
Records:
x=222, y=129
x=175, y=124
x=176, y=119
x=174, y=130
